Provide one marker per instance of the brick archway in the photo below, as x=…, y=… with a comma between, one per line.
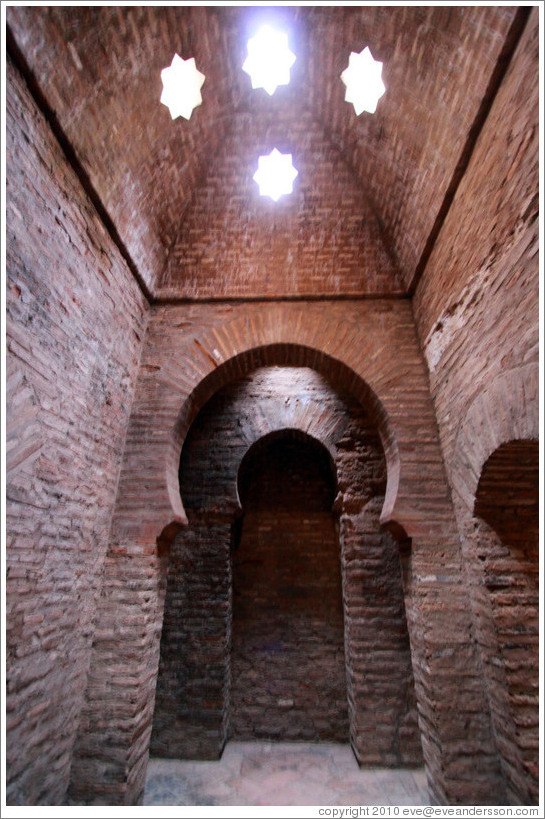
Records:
x=507, y=411
x=372, y=346
x=505, y=535
x=193, y=700
x=288, y=651
x=494, y=470
x=351, y=347
x=337, y=372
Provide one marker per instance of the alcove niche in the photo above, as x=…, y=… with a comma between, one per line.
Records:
x=506, y=523
x=284, y=614
x=288, y=670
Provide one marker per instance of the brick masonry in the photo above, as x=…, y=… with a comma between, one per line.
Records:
x=190, y=720
x=323, y=237
x=371, y=350
x=99, y=69
x=507, y=502
x=435, y=90
x=288, y=666
x=477, y=313
x=94, y=439
x=75, y=321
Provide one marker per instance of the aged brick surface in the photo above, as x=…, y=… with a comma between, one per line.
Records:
x=276, y=659
x=437, y=62
x=382, y=703
x=75, y=320
x=99, y=68
x=506, y=496
x=503, y=540
x=288, y=663
x=321, y=239
x=191, y=711
x=371, y=349
x=477, y=312
x=88, y=541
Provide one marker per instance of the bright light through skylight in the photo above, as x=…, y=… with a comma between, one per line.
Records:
x=182, y=85
x=275, y=174
x=269, y=59
x=363, y=80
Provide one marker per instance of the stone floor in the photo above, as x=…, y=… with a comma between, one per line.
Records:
x=282, y=773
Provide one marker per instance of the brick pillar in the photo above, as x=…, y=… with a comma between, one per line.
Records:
x=192, y=700
x=459, y=752
x=111, y=751
x=382, y=707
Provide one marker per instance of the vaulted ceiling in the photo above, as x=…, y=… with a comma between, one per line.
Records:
x=179, y=196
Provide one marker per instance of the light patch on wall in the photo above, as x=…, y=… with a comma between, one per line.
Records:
x=363, y=80
x=269, y=59
x=275, y=174
x=182, y=84
x=454, y=320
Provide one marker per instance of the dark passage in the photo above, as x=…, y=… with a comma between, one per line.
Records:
x=287, y=665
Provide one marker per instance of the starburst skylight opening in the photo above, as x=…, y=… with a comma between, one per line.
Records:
x=182, y=84
x=269, y=59
x=275, y=174
x=363, y=80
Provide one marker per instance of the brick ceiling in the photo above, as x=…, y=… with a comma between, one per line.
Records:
x=179, y=196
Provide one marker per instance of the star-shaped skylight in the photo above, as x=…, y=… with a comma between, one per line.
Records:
x=181, y=87
x=275, y=174
x=363, y=80
x=269, y=59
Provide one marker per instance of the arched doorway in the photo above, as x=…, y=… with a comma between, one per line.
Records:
x=180, y=372
x=507, y=500
x=288, y=671
x=192, y=704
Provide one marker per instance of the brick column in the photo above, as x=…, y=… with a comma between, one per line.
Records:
x=382, y=708
x=459, y=753
x=191, y=714
x=111, y=751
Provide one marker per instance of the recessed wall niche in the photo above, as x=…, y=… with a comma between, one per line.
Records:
x=270, y=625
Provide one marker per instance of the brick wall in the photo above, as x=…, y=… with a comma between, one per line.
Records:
x=192, y=351
x=437, y=62
x=321, y=240
x=99, y=68
x=371, y=349
x=99, y=71
x=477, y=313
x=75, y=321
